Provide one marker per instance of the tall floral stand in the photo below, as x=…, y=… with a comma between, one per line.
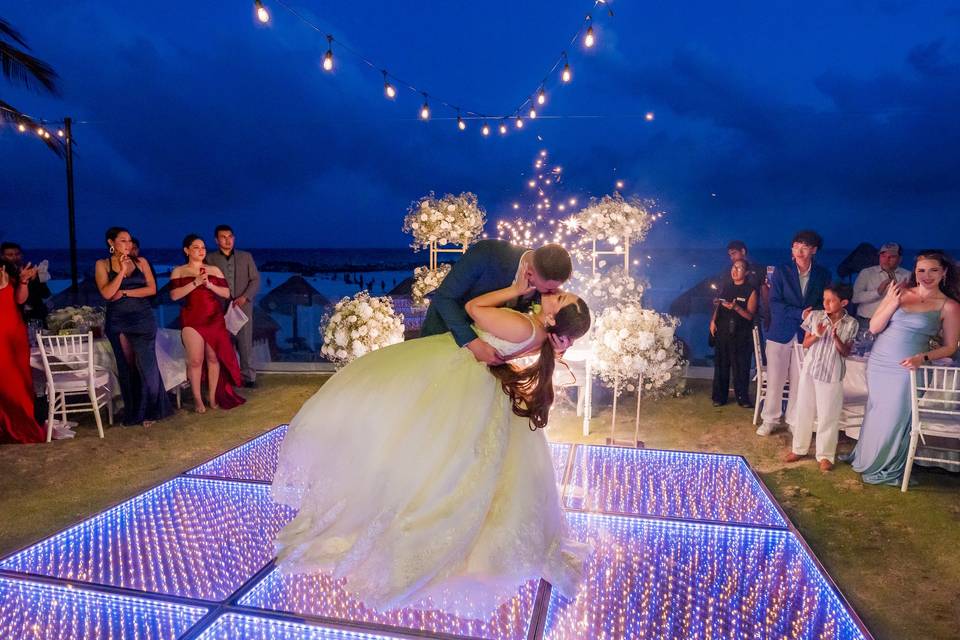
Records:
x=435, y=252
x=612, y=439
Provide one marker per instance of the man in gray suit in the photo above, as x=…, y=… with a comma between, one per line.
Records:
x=242, y=276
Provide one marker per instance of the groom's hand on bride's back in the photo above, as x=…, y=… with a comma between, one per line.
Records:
x=560, y=344
x=483, y=352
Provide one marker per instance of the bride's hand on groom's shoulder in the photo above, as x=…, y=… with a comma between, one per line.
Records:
x=523, y=288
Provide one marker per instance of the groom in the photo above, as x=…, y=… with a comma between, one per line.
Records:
x=487, y=266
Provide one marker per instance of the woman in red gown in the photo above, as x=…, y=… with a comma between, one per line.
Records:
x=17, y=424
x=205, y=335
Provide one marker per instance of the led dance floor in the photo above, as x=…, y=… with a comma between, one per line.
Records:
x=685, y=545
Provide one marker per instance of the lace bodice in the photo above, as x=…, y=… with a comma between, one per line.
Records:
x=504, y=347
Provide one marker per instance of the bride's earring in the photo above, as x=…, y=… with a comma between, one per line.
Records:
x=112, y=250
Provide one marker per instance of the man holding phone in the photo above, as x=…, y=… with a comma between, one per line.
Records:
x=871, y=284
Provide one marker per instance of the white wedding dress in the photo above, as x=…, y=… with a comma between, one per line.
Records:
x=416, y=482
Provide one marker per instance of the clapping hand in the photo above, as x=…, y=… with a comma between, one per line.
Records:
x=4, y=278
x=894, y=291
x=822, y=328
x=201, y=279
x=28, y=273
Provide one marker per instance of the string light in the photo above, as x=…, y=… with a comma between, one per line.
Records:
x=485, y=129
x=328, y=56
x=425, y=109
x=503, y=128
x=22, y=127
x=388, y=89
x=589, y=40
x=460, y=123
x=649, y=116
x=262, y=14
x=60, y=132
x=619, y=184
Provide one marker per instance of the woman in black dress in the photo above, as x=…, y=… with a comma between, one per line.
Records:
x=732, y=331
x=128, y=284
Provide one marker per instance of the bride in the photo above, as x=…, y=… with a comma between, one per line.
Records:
x=415, y=473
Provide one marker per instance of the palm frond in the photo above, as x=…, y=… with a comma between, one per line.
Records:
x=22, y=68
x=7, y=30
x=14, y=117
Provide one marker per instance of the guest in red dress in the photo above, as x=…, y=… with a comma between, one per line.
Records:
x=17, y=424
x=205, y=335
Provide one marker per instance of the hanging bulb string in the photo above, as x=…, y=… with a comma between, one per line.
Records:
x=467, y=113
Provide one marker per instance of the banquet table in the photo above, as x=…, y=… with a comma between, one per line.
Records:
x=170, y=359
x=854, y=404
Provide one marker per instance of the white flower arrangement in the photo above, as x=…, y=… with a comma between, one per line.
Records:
x=359, y=325
x=447, y=220
x=631, y=343
x=615, y=220
x=426, y=280
x=82, y=318
x=605, y=289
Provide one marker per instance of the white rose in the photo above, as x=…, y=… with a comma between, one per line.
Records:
x=340, y=337
x=359, y=349
x=341, y=353
x=423, y=216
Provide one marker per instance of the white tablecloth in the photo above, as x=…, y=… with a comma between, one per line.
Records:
x=854, y=404
x=170, y=359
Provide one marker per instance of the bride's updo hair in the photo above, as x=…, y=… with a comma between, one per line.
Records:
x=531, y=389
x=950, y=285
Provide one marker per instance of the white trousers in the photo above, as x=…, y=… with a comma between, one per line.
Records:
x=782, y=365
x=823, y=402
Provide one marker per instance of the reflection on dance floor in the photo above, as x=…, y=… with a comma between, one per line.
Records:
x=685, y=546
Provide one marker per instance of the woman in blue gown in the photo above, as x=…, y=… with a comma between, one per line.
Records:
x=909, y=316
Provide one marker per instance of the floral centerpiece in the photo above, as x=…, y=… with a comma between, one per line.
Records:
x=359, y=325
x=447, y=220
x=615, y=220
x=426, y=280
x=635, y=344
x=604, y=289
x=76, y=319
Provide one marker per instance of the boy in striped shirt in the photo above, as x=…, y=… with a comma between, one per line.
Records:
x=828, y=341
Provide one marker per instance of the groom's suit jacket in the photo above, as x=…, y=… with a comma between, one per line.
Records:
x=486, y=266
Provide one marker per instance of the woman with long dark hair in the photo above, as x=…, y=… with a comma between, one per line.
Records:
x=127, y=284
x=420, y=472
x=904, y=323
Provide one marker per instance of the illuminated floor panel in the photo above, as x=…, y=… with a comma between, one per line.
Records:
x=254, y=460
x=322, y=596
x=234, y=626
x=188, y=537
x=657, y=579
x=689, y=486
x=50, y=612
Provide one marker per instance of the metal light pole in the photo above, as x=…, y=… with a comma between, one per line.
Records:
x=71, y=211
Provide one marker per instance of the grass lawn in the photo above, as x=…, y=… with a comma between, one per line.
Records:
x=895, y=556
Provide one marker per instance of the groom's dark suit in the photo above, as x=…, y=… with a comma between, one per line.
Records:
x=486, y=266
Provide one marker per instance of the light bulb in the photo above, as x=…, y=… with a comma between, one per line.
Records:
x=519, y=122
x=649, y=116
x=262, y=14
x=588, y=39
x=532, y=183
x=461, y=124
x=503, y=128
x=619, y=184
x=543, y=153
x=485, y=129
x=516, y=206
x=533, y=113
x=22, y=127
x=46, y=134
x=60, y=132
x=39, y=131
x=567, y=74
x=425, y=110
x=389, y=91
x=328, y=60
x=541, y=96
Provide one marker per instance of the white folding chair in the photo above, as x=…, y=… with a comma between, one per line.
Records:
x=761, y=378
x=70, y=372
x=935, y=411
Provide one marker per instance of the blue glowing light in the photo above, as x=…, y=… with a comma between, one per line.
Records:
x=51, y=612
x=234, y=626
x=324, y=597
x=560, y=452
x=662, y=579
x=188, y=537
x=254, y=460
x=647, y=482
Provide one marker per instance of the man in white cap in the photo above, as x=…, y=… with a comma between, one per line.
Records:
x=872, y=282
